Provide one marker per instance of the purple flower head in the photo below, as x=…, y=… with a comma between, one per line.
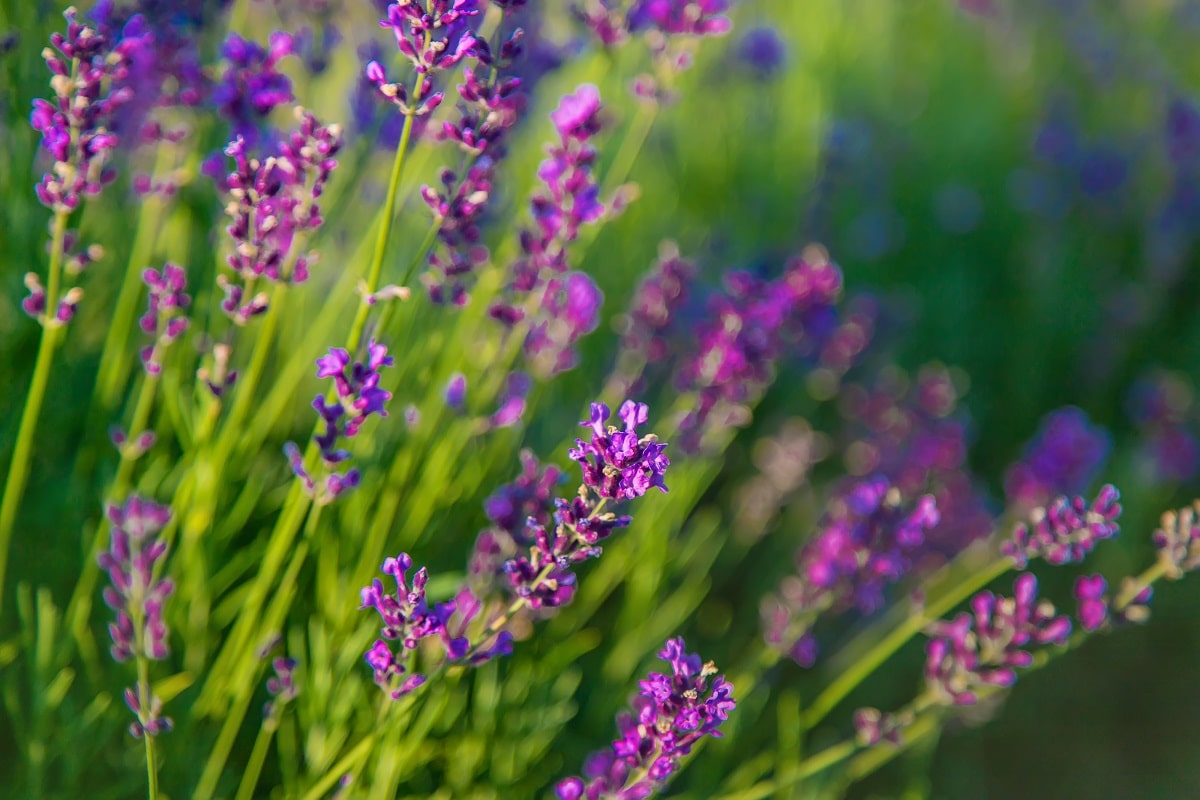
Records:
x=754, y=323
x=359, y=396
x=512, y=400
x=281, y=686
x=762, y=50
x=668, y=716
x=456, y=392
x=570, y=309
x=251, y=86
x=912, y=433
x=138, y=595
x=92, y=67
x=680, y=17
x=163, y=318
x=1064, y=457
x=1066, y=530
x=656, y=305
x=273, y=208
x=616, y=463
x=867, y=541
x=568, y=199
x=988, y=645
x=406, y=618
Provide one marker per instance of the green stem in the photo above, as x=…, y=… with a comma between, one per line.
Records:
x=258, y=755
x=915, y=620
x=146, y=700
x=381, y=241
x=18, y=468
x=248, y=381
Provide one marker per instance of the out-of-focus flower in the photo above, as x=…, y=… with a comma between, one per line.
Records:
x=273, y=208
x=251, y=85
x=163, y=318
x=1064, y=457
x=1066, y=530
x=762, y=50
x=867, y=540
x=137, y=594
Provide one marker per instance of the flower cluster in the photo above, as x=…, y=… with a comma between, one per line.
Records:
x=866, y=541
x=433, y=36
x=669, y=715
x=272, y=207
x=912, y=433
x=488, y=107
x=1094, y=607
x=617, y=465
x=872, y=726
x=666, y=26
x=91, y=70
x=1066, y=530
x=569, y=198
x=164, y=318
x=138, y=595
x=570, y=310
x=251, y=86
x=281, y=686
x=754, y=323
x=358, y=397
x=1161, y=406
x=656, y=304
x=986, y=646
x=1178, y=541
x=409, y=619
x=1064, y=457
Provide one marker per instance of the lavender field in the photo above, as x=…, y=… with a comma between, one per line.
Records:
x=599, y=399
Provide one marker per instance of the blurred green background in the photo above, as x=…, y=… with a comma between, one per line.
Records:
x=1005, y=178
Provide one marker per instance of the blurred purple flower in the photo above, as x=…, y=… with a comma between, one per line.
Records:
x=1064, y=457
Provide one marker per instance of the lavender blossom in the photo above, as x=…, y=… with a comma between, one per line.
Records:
x=359, y=396
x=763, y=51
x=455, y=394
x=251, y=86
x=273, y=207
x=668, y=716
x=1092, y=602
x=617, y=465
x=163, y=318
x=987, y=646
x=1066, y=530
x=1064, y=457
x=656, y=305
x=1177, y=540
x=568, y=199
x=570, y=310
x=281, y=687
x=867, y=541
x=754, y=323
x=409, y=619
x=872, y=726
x=138, y=595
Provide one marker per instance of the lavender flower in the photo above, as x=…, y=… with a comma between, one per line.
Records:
x=512, y=400
x=763, y=51
x=1092, y=602
x=487, y=109
x=987, y=646
x=455, y=394
x=359, y=396
x=137, y=596
x=407, y=618
x=656, y=305
x=434, y=37
x=568, y=200
x=281, y=687
x=163, y=320
x=570, y=310
x=1066, y=530
x=1064, y=457
x=866, y=541
x=668, y=716
x=273, y=207
x=751, y=325
x=617, y=465
x=1178, y=541
x=251, y=86
x=872, y=726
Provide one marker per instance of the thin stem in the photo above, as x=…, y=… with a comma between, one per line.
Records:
x=258, y=755
x=385, y=230
x=18, y=468
x=915, y=620
x=145, y=698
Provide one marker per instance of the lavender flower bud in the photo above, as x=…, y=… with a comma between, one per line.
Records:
x=1178, y=541
x=163, y=319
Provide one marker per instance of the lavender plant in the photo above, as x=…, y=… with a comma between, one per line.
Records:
x=478, y=217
